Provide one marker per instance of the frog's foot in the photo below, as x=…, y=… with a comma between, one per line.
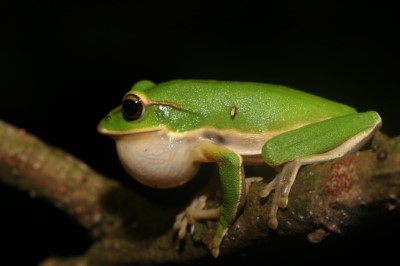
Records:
x=282, y=184
x=193, y=213
x=182, y=221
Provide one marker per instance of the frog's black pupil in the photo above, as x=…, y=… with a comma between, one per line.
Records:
x=132, y=108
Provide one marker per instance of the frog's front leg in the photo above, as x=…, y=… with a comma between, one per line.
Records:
x=233, y=186
x=197, y=211
x=318, y=142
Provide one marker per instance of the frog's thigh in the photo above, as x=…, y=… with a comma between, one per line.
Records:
x=318, y=142
x=349, y=131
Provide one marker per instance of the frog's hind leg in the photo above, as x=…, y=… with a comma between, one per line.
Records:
x=306, y=150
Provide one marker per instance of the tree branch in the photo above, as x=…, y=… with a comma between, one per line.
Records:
x=330, y=197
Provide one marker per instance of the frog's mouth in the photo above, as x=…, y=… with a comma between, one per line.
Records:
x=115, y=133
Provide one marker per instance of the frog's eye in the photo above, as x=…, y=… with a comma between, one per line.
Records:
x=132, y=107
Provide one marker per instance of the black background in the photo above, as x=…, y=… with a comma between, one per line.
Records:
x=64, y=65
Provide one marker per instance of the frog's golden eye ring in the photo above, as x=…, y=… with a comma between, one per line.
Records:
x=132, y=107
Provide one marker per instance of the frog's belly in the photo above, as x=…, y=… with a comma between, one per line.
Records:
x=249, y=146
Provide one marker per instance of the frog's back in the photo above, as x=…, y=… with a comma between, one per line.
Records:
x=246, y=106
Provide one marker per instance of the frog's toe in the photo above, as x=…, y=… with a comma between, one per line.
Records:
x=214, y=251
x=272, y=222
x=251, y=180
x=180, y=225
x=268, y=188
x=283, y=202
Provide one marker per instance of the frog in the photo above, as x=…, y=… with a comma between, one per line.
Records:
x=163, y=132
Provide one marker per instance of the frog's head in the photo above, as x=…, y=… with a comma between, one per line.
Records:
x=141, y=128
x=133, y=115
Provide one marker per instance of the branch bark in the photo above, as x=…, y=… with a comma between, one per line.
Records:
x=125, y=224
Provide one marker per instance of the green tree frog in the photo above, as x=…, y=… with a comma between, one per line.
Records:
x=164, y=131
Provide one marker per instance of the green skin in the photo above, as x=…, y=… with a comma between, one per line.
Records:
x=231, y=124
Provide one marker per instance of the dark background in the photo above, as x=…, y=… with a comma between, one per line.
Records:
x=64, y=65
